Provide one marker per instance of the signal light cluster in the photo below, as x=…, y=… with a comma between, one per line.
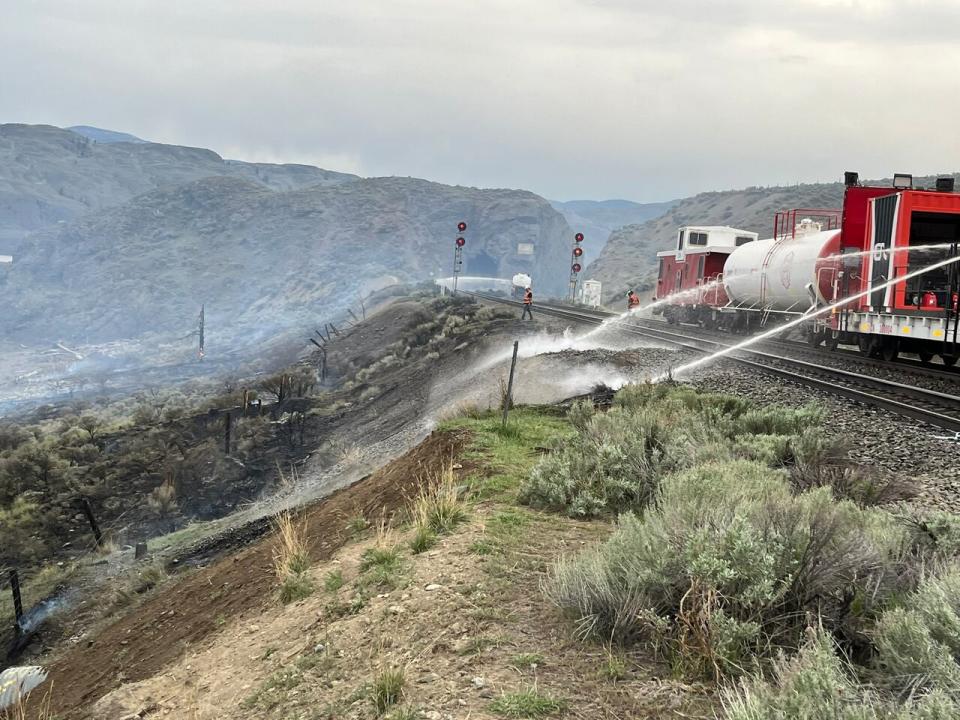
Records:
x=458, y=254
x=575, y=267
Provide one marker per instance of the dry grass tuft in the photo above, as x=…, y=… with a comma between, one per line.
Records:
x=437, y=508
x=291, y=558
x=387, y=689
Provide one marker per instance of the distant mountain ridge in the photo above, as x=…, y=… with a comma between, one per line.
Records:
x=133, y=238
x=50, y=175
x=101, y=135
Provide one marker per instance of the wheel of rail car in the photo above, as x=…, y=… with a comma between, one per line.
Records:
x=814, y=338
x=925, y=357
x=949, y=360
x=889, y=349
x=865, y=343
x=832, y=342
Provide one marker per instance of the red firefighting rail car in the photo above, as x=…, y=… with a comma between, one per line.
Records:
x=727, y=278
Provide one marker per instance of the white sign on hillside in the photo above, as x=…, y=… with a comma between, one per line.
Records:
x=524, y=248
x=591, y=293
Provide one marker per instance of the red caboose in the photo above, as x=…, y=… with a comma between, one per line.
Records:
x=690, y=278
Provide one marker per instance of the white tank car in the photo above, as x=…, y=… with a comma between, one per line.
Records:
x=774, y=274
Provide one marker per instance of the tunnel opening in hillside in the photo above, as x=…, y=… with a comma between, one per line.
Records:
x=482, y=265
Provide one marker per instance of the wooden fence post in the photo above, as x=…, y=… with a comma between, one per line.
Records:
x=507, y=401
x=17, y=602
x=88, y=511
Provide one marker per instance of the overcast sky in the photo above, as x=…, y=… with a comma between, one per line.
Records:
x=647, y=100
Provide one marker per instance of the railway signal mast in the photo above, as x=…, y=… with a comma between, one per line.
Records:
x=458, y=254
x=575, y=254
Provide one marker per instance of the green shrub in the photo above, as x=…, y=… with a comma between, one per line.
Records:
x=918, y=645
x=910, y=656
x=817, y=685
x=527, y=704
x=294, y=588
x=580, y=414
x=942, y=531
x=423, y=539
x=777, y=420
x=20, y=526
x=771, y=450
x=333, y=581
x=528, y=660
x=381, y=566
x=618, y=458
x=616, y=463
x=727, y=565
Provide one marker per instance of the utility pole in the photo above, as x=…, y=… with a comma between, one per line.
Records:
x=458, y=254
x=200, y=351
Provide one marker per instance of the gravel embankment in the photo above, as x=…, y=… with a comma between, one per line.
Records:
x=877, y=437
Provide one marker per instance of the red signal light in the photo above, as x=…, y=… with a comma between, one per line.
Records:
x=460, y=241
x=575, y=267
x=578, y=237
x=461, y=226
x=577, y=251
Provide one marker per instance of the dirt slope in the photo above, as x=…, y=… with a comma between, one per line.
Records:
x=185, y=612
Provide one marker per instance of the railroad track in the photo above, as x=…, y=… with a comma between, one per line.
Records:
x=936, y=408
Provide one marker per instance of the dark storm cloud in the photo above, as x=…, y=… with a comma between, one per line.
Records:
x=568, y=98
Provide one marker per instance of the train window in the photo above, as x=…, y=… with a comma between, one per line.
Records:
x=933, y=234
x=660, y=269
x=680, y=240
x=703, y=259
x=697, y=238
x=743, y=240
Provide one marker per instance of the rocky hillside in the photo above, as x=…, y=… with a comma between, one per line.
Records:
x=263, y=260
x=115, y=240
x=629, y=259
x=597, y=219
x=49, y=175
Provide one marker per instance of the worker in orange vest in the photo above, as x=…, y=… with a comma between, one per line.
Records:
x=527, y=302
x=633, y=300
